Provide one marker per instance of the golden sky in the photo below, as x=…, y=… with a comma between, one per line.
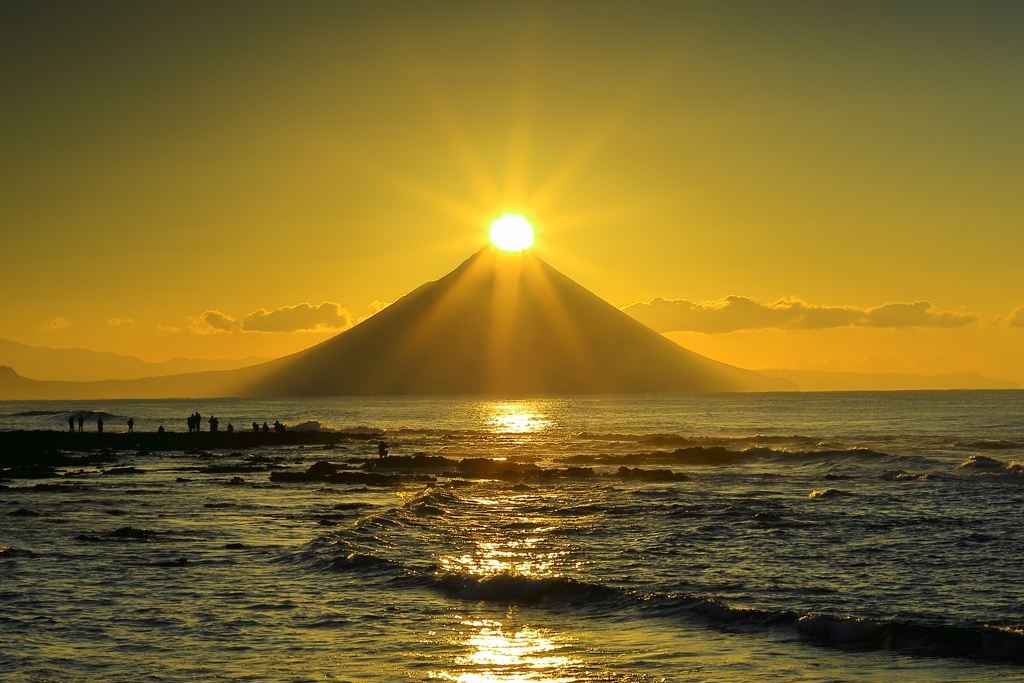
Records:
x=805, y=185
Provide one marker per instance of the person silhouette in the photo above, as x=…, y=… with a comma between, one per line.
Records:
x=278, y=427
x=71, y=424
x=81, y=422
x=99, y=425
x=265, y=427
x=213, y=423
x=382, y=449
x=231, y=428
x=131, y=425
x=255, y=427
x=160, y=430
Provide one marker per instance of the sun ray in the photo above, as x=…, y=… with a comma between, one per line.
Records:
x=524, y=104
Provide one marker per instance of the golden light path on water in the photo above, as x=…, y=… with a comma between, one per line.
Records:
x=495, y=656
x=524, y=653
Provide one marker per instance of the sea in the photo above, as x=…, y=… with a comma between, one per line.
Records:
x=848, y=536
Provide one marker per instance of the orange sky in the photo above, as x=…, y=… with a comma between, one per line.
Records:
x=163, y=160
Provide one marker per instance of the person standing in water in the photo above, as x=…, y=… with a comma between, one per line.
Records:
x=81, y=423
x=382, y=449
x=71, y=424
x=131, y=425
x=99, y=425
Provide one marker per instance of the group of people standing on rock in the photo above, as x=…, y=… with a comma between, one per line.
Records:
x=99, y=424
x=278, y=427
x=195, y=423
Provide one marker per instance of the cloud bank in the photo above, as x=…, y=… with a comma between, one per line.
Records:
x=299, y=318
x=736, y=313
x=1016, y=318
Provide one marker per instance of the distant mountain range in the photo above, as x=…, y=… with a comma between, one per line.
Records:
x=82, y=365
x=817, y=380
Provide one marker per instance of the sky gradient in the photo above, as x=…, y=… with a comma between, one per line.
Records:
x=215, y=180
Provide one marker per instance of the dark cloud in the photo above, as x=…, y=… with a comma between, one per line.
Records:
x=735, y=313
x=299, y=318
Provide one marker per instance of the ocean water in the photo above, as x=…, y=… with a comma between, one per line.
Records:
x=754, y=537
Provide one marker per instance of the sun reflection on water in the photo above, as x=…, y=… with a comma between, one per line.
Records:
x=515, y=557
x=496, y=656
x=517, y=418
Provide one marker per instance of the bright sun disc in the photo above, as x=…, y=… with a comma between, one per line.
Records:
x=511, y=232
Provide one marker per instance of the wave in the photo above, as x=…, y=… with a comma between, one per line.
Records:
x=384, y=561
x=517, y=588
x=975, y=468
x=986, y=642
x=719, y=455
x=988, y=444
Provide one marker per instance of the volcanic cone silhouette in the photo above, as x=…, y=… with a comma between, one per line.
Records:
x=500, y=323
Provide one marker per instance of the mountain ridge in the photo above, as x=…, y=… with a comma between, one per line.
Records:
x=84, y=365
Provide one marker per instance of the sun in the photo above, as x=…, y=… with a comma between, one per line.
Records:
x=511, y=232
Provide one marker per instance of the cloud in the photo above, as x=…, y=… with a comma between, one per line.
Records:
x=735, y=313
x=299, y=318
x=55, y=324
x=1016, y=318
x=119, y=321
x=213, y=322
x=376, y=306
x=917, y=314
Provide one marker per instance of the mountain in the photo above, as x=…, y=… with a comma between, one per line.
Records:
x=817, y=380
x=500, y=323
x=82, y=365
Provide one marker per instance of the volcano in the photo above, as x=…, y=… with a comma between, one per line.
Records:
x=501, y=323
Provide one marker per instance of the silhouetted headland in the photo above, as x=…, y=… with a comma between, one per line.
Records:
x=46, y=449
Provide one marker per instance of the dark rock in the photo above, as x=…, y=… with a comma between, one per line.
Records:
x=487, y=466
x=650, y=475
x=132, y=532
x=22, y=512
x=235, y=546
x=322, y=468
x=180, y=562
x=30, y=473
x=124, y=470
x=224, y=469
x=415, y=461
